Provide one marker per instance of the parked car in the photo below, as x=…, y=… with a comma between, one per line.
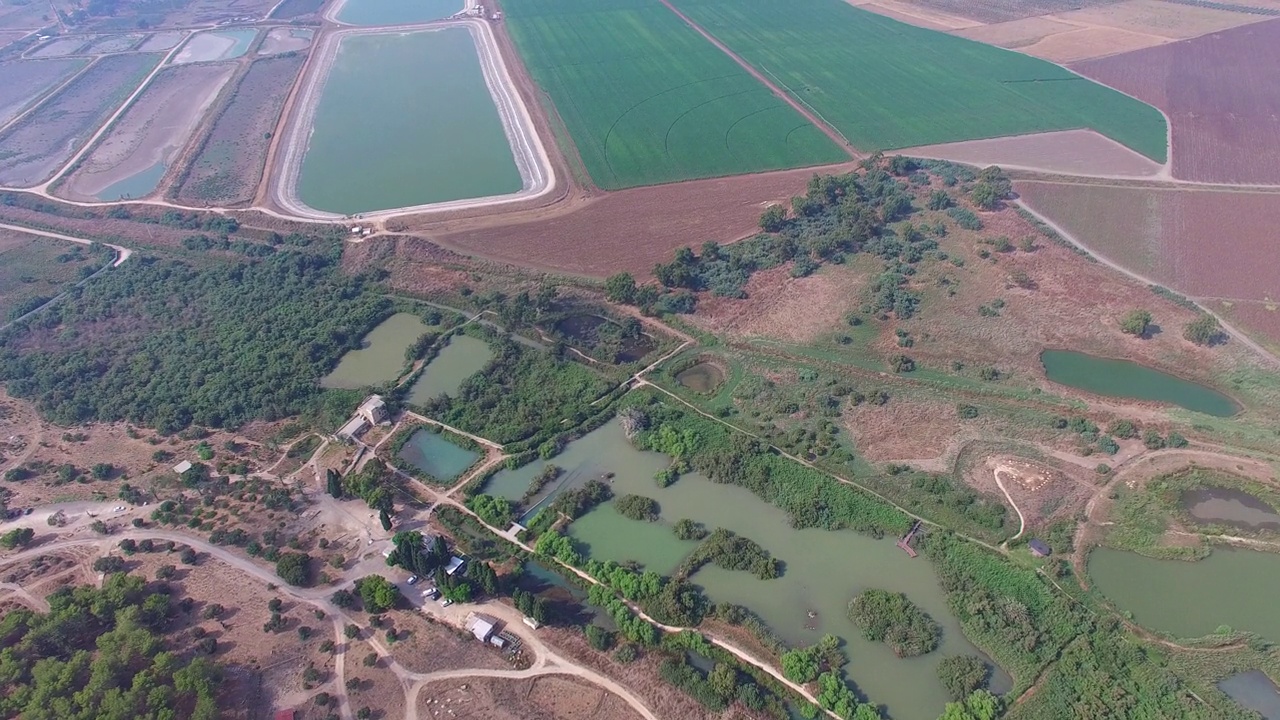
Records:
x=447, y=602
x=413, y=579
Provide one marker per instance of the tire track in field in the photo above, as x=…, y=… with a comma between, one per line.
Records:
x=783, y=95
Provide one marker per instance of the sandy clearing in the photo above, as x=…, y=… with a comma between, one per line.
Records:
x=203, y=48
x=916, y=15
x=59, y=47
x=153, y=130
x=1090, y=42
x=779, y=307
x=1159, y=18
x=284, y=39
x=1068, y=152
x=1015, y=33
x=536, y=171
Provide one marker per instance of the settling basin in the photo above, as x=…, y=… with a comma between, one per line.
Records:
x=457, y=361
x=1190, y=599
x=403, y=119
x=381, y=354
x=395, y=12
x=1124, y=379
x=823, y=569
x=433, y=454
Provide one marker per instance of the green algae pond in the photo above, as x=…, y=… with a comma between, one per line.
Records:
x=823, y=569
x=435, y=455
x=1237, y=588
x=396, y=12
x=405, y=119
x=457, y=361
x=381, y=355
x=1124, y=379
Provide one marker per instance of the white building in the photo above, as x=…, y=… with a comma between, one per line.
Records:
x=182, y=467
x=482, y=626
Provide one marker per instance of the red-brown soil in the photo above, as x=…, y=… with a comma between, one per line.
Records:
x=1070, y=152
x=632, y=229
x=1259, y=319
x=1203, y=243
x=777, y=306
x=1222, y=95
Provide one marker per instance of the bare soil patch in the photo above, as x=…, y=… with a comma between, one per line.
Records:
x=376, y=687
x=629, y=230
x=1155, y=17
x=229, y=164
x=28, y=80
x=1221, y=95
x=1015, y=33
x=1198, y=242
x=431, y=647
x=1043, y=492
x=1090, y=42
x=161, y=41
x=913, y=14
x=997, y=11
x=777, y=306
x=881, y=434
x=27, y=16
x=42, y=141
x=1070, y=152
x=286, y=39
x=556, y=697
x=153, y=130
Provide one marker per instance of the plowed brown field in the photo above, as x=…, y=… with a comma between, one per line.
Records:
x=633, y=229
x=1222, y=95
x=1204, y=243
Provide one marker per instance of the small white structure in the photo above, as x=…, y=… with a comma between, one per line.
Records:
x=498, y=641
x=455, y=564
x=533, y=624
x=482, y=626
x=353, y=429
x=182, y=467
x=374, y=409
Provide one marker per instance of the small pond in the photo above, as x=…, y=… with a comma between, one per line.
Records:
x=457, y=361
x=1191, y=599
x=701, y=378
x=823, y=570
x=568, y=600
x=434, y=455
x=381, y=354
x=1124, y=379
x=584, y=331
x=1254, y=690
x=1228, y=506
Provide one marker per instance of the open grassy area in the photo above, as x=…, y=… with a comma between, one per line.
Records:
x=647, y=100
x=34, y=270
x=884, y=84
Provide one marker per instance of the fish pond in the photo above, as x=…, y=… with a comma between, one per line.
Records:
x=381, y=354
x=405, y=119
x=396, y=12
x=1255, y=691
x=1237, y=588
x=216, y=45
x=1124, y=379
x=701, y=378
x=457, y=361
x=435, y=455
x=823, y=569
x=1228, y=506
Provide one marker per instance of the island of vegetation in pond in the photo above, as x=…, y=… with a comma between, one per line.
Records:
x=892, y=618
x=637, y=507
x=1124, y=379
x=436, y=456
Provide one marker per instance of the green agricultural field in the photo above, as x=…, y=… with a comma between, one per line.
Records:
x=884, y=84
x=648, y=100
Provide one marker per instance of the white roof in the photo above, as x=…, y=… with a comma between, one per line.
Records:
x=354, y=427
x=182, y=467
x=454, y=564
x=374, y=402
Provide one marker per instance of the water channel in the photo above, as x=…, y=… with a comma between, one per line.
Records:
x=1237, y=588
x=456, y=362
x=381, y=354
x=1124, y=379
x=823, y=570
x=405, y=119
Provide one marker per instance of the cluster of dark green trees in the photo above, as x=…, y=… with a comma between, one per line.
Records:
x=164, y=343
x=893, y=619
x=572, y=504
x=101, y=653
x=637, y=507
x=730, y=551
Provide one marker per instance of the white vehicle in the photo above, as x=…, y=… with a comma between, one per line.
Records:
x=447, y=602
x=413, y=579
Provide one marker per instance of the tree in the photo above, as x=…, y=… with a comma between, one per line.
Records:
x=1136, y=323
x=984, y=196
x=599, y=638
x=620, y=288
x=939, y=200
x=385, y=518
x=893, y=619
x=962, y=674
x=295, y=568
x=637, y=507
x=20, y=537
x=800, y=666
x=773, y=219
x=378, y=593
x=1204, y=330
x=334, y=482
x=102, y=471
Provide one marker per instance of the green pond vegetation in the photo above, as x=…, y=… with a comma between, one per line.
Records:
x=648, y=100
x=916, y=86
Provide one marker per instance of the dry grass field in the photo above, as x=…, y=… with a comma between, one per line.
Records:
x=28, y=80
x=34, y=269
x=1070, y=152
x=1222, y=95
